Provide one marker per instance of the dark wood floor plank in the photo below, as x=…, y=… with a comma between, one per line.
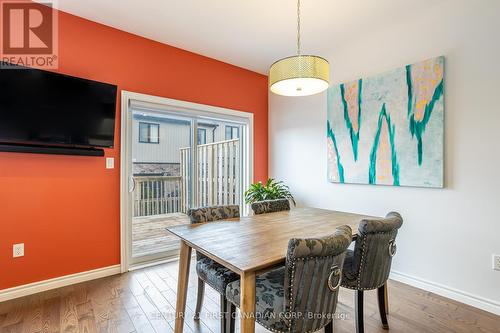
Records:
x=80, y=293
x=155, y=279
x=69, y=316
x=51, y=316
x=137, y=316
x=134, y=285
x=13, y=321
x=154, y=316
x=32, y=318
x=167, y=306
x=102, y=298
x=14, y=328
x=86, y=319
x=6, y=307
x=155, y=296
x=109, y=311
x=117, y=319
x=2, y=318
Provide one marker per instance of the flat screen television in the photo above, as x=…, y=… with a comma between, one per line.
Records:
x=41, y=108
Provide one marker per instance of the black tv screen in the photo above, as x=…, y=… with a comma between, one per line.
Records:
x=43, y=108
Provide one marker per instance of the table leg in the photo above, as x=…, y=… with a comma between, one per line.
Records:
x=182, y=286
x=247, y=302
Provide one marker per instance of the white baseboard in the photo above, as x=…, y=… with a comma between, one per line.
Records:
x=439, y=289
x=445, y=291
x=153, y=263
x=36, y=287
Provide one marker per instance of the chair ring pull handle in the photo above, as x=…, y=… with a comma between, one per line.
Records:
x=392, y=248
x=336, y=272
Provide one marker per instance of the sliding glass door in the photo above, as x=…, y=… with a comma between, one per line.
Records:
x=161, y=176
x=179, y=160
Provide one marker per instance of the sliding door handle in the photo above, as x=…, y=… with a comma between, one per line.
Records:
x=131, y=187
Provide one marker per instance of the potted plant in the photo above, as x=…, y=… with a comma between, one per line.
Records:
x=270, y=191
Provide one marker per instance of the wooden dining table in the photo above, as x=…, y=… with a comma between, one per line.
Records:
x=249, y=246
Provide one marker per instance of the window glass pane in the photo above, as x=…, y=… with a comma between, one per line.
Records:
x=154, y=133
x=232, y=132
x=236, y=132
x=143, y=132
x=149, y=133
x=202, y=136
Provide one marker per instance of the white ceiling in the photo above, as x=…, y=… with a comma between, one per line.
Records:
x=248, y=33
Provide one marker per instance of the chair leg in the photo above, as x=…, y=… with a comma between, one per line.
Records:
x=329, y=327
x=199, y=298
x=382, y=305
x=224, y=327
x=386, y=299
x=231, y=316
x=358, y=308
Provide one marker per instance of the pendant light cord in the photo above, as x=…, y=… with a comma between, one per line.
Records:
x=298, y=27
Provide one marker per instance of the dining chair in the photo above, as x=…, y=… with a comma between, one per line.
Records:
x=209, y=271
x=369, y=265
x=270, y=206
x=302, y=295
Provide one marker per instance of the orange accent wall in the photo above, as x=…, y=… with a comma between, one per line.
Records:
x=66, y=208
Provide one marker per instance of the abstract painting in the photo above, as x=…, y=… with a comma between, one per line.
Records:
x=388, y=129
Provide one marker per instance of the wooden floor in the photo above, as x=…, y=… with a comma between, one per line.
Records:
x=144, y=300
x=149, y=236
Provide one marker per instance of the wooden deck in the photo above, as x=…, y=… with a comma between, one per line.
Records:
x=149, y=235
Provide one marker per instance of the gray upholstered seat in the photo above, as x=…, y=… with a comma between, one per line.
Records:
x=369, y=265
x=270, y=206
x=302, y=296
x=269, y=297
x=209, y=271
x=214, y=274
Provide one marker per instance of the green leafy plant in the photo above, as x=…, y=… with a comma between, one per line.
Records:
x=270, y=191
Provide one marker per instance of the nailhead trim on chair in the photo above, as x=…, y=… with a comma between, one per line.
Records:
x=362, y=262
x=290, y=294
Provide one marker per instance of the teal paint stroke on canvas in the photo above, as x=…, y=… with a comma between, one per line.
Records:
x=412, y=132
x=376, y=145
x=350, y=100
x=340, y=168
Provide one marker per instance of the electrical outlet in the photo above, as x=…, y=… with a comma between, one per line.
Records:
x=18, y=250
x=110, y=163
x=496, y=262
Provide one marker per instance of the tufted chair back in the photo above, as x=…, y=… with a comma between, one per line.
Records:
x=211, y=214
x=270, y=206
x=374, y=249
x=312, y=279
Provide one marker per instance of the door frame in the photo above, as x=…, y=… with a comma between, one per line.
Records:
x=173, y=105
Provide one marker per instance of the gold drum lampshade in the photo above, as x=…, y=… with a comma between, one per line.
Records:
x=300, y=75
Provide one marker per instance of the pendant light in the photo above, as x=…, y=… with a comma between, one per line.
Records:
x=299, y=75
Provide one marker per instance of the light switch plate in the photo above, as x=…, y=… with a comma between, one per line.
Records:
x=110, y=162
x=18, y=250
x=496, y=262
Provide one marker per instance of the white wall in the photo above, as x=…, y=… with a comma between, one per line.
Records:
x=449, y=235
